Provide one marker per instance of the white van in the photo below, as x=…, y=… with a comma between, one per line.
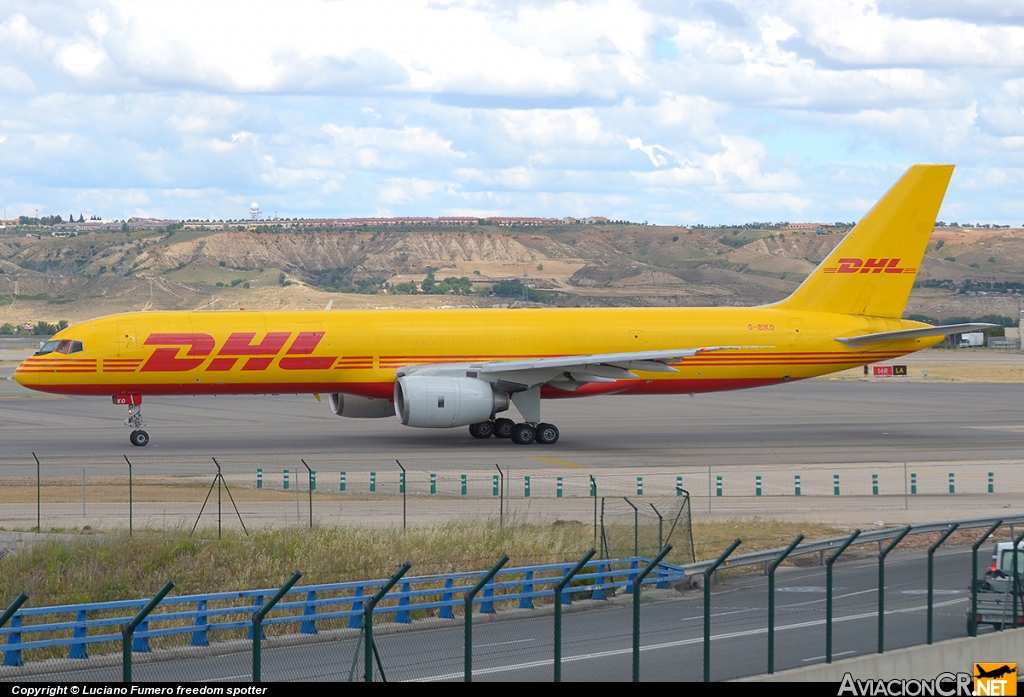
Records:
x=1002, y=560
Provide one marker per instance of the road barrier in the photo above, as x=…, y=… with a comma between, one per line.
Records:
x=87, y=631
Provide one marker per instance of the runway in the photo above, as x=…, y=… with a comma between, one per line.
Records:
x=813, y=422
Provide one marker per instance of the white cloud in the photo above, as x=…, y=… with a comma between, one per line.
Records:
x=656, y=159
x=81, y=60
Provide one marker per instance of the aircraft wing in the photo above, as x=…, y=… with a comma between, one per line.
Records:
x=944, y=330
x=565, y=372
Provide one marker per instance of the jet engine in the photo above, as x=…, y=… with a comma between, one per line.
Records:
x=356, y=407
x=429, y=401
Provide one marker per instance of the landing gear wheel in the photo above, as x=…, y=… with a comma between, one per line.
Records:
x=503, y=428
x=484, y=429
x=523, y=434
x=547, y=434
x=139, y=438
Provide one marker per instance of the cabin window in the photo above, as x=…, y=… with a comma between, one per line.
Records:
x=48, y=347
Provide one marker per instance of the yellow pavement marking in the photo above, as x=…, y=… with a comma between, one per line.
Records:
x=564, y=463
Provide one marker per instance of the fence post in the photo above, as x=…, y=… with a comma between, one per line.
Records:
x=973, y=622
x=308, y=625
x=369, y=648
x=128, y=630
x=931, y=572
x=401, y=490
x=707, y=605
x=131, y=503
x=312, y=485
x=39, y=494
x=200, y=636
x=403, y=616
x=13, y=657
x=559, y=587
x=79, y=651
x=468, y=614
x=1016, y=580
x=636, y=527
x=661, y=524
x=636, y=608
x=828, y=593
x=881, y=586
x=771, y=600
x=257, y=624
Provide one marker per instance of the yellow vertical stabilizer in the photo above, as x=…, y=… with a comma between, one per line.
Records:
x=873, y=269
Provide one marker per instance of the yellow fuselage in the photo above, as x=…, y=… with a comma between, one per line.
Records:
x=357, y=352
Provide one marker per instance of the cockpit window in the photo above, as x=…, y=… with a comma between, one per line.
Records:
x=64, y=346
x=48, y=347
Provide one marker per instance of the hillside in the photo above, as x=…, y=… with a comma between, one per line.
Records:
x=965, y=273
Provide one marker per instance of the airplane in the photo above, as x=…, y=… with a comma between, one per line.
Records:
x=452, y=368
x=995, y=673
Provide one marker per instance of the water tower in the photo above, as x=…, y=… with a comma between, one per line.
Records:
x=254, y=211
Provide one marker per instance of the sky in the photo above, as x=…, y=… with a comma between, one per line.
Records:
x=670, y=111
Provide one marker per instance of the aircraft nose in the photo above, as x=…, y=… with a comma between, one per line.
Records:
x=25, y=378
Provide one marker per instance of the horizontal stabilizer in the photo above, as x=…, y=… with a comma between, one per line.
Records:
x=944, y=330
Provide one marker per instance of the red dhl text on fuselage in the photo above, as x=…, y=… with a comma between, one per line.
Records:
x=359, y=351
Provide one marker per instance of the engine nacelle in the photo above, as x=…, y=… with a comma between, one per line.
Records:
x=356, y=407
x=428, y=401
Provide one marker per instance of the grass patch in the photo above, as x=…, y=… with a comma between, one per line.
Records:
x=99, y=568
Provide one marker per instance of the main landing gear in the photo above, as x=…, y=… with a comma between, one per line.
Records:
x=138, y=437
x=523, y=434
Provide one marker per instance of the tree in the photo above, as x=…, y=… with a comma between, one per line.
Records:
x=428, y=283
x=81, y=218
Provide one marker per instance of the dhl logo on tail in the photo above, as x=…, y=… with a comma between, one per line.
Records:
x=853, y=265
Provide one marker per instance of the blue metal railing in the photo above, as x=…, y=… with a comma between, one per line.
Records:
x=311, y=604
